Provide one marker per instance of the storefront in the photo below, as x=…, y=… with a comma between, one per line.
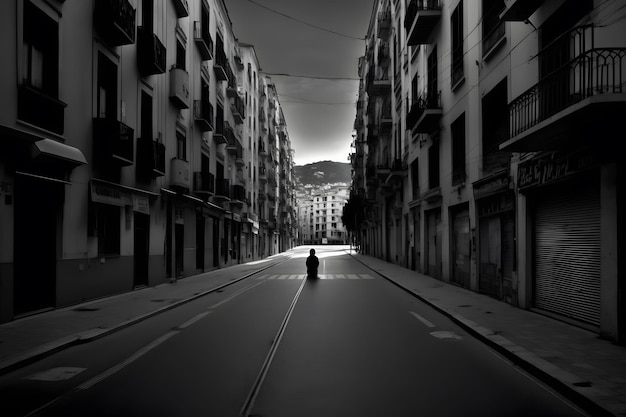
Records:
x=563, y=192
x=495, y=203
x=460, y=245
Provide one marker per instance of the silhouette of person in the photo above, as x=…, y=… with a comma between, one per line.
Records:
x=312, y=263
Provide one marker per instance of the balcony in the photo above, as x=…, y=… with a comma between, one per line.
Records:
x=202, y=37
x=203, y=183
x=573, y=105
x=150, y=157
x=384, y=24
x=262, y=150
x=182, y=8
x=239, y=157
x=519, y=10
x=386, y=119
x=379, y=84
x=220, y=133
x=420, y=20
x=179, y=88
x=36, y=107
x=113, y=142
x=238, y=195
x=179, y=173
x=220, y=66
x=222, y=189
x=151, y=53
x=203, y=114
x=238, y=108
x=397, y=173
x=115, y=21
x=232, y=143
x=262, y=175
x=425, y=113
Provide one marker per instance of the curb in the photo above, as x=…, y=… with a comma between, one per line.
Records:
x=561, y=381
x=48, y=349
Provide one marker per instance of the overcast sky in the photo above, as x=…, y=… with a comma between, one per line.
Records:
x=320, y=112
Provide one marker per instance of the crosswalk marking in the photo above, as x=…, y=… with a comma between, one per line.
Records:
x=287, y=277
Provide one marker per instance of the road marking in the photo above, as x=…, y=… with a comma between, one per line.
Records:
x=285, y=277
x=111, y=371
x=442, y=334
x=56, y=374
x=193, y=320
x=249, y=403
x=422, y=319
x=241, y=291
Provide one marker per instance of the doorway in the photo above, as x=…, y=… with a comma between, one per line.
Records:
x=142, y=249
x=37, y=217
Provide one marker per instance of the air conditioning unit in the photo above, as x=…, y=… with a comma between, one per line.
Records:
x=241, y=91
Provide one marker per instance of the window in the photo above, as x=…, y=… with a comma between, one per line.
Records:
x=181, y=146
x=107, y=88
x=180, y=55
x=495, y=127
x=433, y=164
x=147, y=9
x=415, y=185
x=433, y=84
x=41, y=50
x=493, y=27
x=457, y=44
x=108, y=227
x=458, y=150
x=146, y=116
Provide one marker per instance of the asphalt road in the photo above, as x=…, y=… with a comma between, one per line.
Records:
x=346, y=344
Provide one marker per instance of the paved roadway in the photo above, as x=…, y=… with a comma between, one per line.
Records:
x=347, y=344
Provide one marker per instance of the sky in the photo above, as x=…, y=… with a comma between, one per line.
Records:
x=321, y=106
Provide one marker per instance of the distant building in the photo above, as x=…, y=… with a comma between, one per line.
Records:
x=487, y=150
x=319, y=214
x=139, y=143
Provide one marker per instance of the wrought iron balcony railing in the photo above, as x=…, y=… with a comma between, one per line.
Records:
x=593, y=72
x=151, y=55
x=115, y=21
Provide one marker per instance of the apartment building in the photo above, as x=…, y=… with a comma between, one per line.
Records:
x=486, y=150
x=319, y=214
x=132, y=138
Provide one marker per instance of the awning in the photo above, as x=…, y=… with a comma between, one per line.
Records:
x=57, y=150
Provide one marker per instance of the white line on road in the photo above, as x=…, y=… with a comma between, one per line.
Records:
x=111, y=371
x=422, y=319
x=241, y=291
x=193, y=320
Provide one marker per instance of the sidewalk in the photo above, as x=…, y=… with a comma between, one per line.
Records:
x=576, y=362
x=26, y=340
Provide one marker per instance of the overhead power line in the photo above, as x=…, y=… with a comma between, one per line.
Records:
x=282, y=74
x=305, y=23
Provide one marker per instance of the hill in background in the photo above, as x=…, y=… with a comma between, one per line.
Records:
x=323, y=172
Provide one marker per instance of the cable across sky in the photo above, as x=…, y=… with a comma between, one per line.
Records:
x=305, y=23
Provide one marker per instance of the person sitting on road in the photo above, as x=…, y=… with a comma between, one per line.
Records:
x=312, y=263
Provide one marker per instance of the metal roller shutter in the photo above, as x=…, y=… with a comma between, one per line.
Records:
x=567, y=253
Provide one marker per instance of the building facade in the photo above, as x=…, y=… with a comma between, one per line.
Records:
x=319, y=214
x=486, y=150
x=136, y=138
